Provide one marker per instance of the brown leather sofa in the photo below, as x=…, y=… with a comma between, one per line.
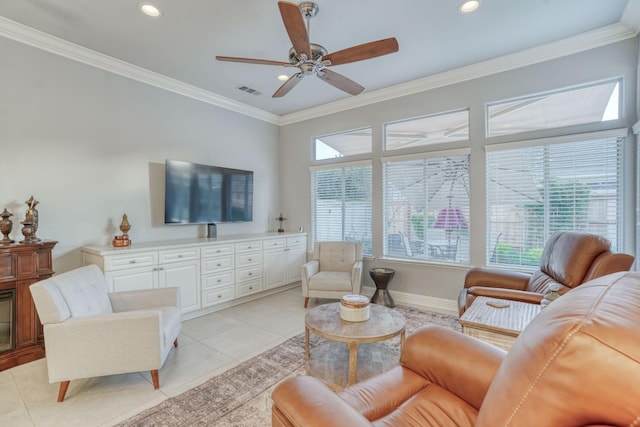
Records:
x=576, y=364
x=568, y=259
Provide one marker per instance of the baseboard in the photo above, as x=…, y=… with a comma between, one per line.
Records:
x=431, y=303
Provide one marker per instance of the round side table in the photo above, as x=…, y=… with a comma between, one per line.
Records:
x=381, y=277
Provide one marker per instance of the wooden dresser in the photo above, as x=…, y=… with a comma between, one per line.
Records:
x=20, y=266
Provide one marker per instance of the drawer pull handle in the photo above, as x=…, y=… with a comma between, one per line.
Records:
x=250, y=288
x=218, y=265
x=133, y=261
x=250, y=259
x=219, y=280
x=250, y=274
x=218, y=251
x=179, y=256
x=219, y=296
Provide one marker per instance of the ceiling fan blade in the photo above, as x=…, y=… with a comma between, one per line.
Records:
x=363, y=51
x=340, y=81
x=294, y=23
x=252, y=61
x=288, y=85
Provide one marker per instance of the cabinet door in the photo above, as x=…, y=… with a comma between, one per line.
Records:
x=275, y=268
x=186, y=276
x=132, y=279
x=296, y=257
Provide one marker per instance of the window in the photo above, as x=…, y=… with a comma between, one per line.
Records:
x=341, y=204
x=426, y=207
x=342, y=144
x=589, y=104
x=446, y=127
x=536, y=190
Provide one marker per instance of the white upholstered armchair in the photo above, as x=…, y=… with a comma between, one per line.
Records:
x=89, y=332
x=334, y=271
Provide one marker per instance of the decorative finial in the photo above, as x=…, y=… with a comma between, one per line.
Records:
x=281, y=219
x=123, y=240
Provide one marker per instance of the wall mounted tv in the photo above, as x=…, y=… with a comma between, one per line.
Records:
x=205, y=194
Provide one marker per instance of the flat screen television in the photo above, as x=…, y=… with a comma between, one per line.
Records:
x=205, y=194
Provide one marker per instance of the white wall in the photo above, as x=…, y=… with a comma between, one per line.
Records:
x=90, y=146
x=618, y=60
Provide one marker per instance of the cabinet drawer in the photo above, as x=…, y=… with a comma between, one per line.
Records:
x=296, y=241
x=183, y=254
x=275, y=244
x=250, y=246
x=248, y=273
x=249, y=288
x=217, y=296
x=216, y=250
x=214, y=265
x=217, y=280
x=139, y=259
x=248, y=259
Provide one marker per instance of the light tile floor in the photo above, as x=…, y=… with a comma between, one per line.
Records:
x=209, y=345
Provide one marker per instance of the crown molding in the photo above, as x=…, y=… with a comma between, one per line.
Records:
x=582, y=42
x=631, y=16
x=600, y=37
x=52, y=44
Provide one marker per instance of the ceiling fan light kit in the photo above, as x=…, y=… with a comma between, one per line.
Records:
x=468, y=6
x=311, y=58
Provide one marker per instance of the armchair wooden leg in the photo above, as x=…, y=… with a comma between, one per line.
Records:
x=306, y=301
x=175, y=343
x=64, y=385
x=155, y=379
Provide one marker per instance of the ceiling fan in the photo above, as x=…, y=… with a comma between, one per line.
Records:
x=311, y=58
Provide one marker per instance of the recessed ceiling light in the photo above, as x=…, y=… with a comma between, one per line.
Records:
x=149, y=9
x=283, y=77
x=468, y=6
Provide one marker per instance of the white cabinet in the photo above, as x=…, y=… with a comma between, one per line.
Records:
x=131, y=271
x=296, y=257
x=207, y=272
x=158, y=269
x=217, y=274
x=248, y=267
x=186, y=276
x=275, y=263
x=132, y=279
x=283, y=259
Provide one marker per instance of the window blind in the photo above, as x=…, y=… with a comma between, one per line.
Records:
x=341, y=204
x=534, y=191
x=426, y=208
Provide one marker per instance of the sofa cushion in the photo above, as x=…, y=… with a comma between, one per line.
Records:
x=331, y=281
x=337, y=256
x=581, y=349
x=85, y=291
x=567, y=257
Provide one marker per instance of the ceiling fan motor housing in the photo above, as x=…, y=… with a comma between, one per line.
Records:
x=317, y=52
x=308, y=8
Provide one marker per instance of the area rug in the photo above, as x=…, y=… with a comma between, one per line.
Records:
x=241, y=397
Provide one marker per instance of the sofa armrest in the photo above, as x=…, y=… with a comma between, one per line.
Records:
x=356, y=277
x=91, y=346
x=305, y=401
x=468, y=374
x=496, y=278
x=309, y=269
x=510, y=294
x=607, y=263
x=144, y=299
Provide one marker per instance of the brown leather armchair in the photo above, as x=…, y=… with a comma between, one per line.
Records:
x=575, y=364
x=568, y=259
